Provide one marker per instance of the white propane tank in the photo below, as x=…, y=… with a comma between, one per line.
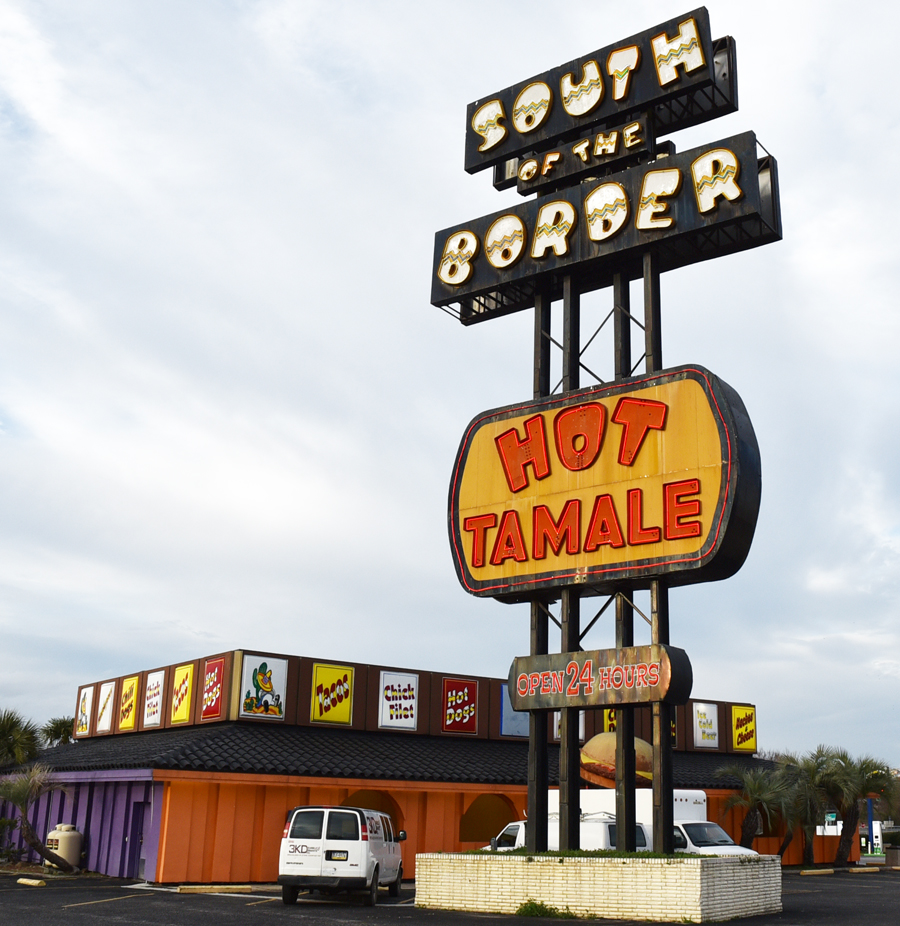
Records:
x=65, y=841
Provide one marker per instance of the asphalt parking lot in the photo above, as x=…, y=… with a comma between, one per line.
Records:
x=842, y=898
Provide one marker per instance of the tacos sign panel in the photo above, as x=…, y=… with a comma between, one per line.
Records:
x=654, y=476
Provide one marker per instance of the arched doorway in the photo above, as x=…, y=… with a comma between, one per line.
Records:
x=486, y=817
x=376, y=800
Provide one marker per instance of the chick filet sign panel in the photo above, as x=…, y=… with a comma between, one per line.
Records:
x=332, y=694
x=657, y=475
x=597, y=678
x=398, y=708
x=697, y=205
x=648, y=71
x=264, y=685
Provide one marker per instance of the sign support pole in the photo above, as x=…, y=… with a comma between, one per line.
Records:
x=538, y=765
x=569, y=747
x=663, y=792
x=569, y=751
x=626, y=813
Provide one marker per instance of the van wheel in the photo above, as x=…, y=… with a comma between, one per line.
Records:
x=289, y=894
x=394, y=887
x=372, y=897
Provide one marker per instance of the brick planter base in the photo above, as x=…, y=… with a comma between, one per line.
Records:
x=685, y=889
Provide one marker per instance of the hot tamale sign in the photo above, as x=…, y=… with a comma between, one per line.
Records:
x=654, y=476
x=601, y=678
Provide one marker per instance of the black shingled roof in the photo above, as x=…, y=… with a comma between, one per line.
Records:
x=318, y=752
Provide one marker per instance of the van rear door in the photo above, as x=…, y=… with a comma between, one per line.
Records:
x=301, y=849
x=343, y=854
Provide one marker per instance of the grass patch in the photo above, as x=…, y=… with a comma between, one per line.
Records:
x=539, y=908
x=574, y=853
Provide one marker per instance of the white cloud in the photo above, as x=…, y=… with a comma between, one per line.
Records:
x=229, y=413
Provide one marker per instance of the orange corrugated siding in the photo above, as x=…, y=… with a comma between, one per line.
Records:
x=221, y=828
x=227, y=828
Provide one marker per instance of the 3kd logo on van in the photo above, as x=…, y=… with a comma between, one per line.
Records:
x=302, y=849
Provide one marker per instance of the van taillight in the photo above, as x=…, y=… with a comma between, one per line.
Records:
x=287, y=829
x=365, y=833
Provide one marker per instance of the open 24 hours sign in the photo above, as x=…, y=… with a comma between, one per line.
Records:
x=655, y=476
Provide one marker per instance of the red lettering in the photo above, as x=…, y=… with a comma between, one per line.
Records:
x=617, y=677
x=545, y=683
x=579, y=435
x=516, y=453
x=629, y=676
x=523, y=678
x=478, y=527
x=586, y=678
x=637, y=533
x=604, y=527
x=604, y=679
x=641, y=675
x=572, y=687
x=509, y=543
x=534, y=682
x=637, y=417
x=676, y=510
x=557, y=686
x=568, y=528
x=653, y=674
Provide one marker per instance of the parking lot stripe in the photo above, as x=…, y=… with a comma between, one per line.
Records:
x=87, y=903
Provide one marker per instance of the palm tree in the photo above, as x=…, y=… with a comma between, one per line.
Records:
x=762, y=791
x=19, y=738
x=57, y=731
x=22, y=790
x=803, y=777
x=847, y=781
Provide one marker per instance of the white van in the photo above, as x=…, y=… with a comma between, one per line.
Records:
x=705, y=838
x=598, y=831
x=339, y=849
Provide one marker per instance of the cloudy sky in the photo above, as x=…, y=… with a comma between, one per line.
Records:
x=228, y=413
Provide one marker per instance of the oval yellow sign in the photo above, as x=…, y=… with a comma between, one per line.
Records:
x=655, y=476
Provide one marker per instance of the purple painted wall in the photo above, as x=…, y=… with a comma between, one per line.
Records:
x=117, y=812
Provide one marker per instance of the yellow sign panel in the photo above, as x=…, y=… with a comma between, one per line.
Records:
x=634, y=480
x=128, y=705
x=332, y=694
x=743, y=728
x=182, y=691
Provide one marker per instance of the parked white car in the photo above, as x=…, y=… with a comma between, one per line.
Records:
x=339, y=849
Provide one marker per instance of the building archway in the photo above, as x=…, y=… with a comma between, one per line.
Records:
x=486, y=817
x=377, y=800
